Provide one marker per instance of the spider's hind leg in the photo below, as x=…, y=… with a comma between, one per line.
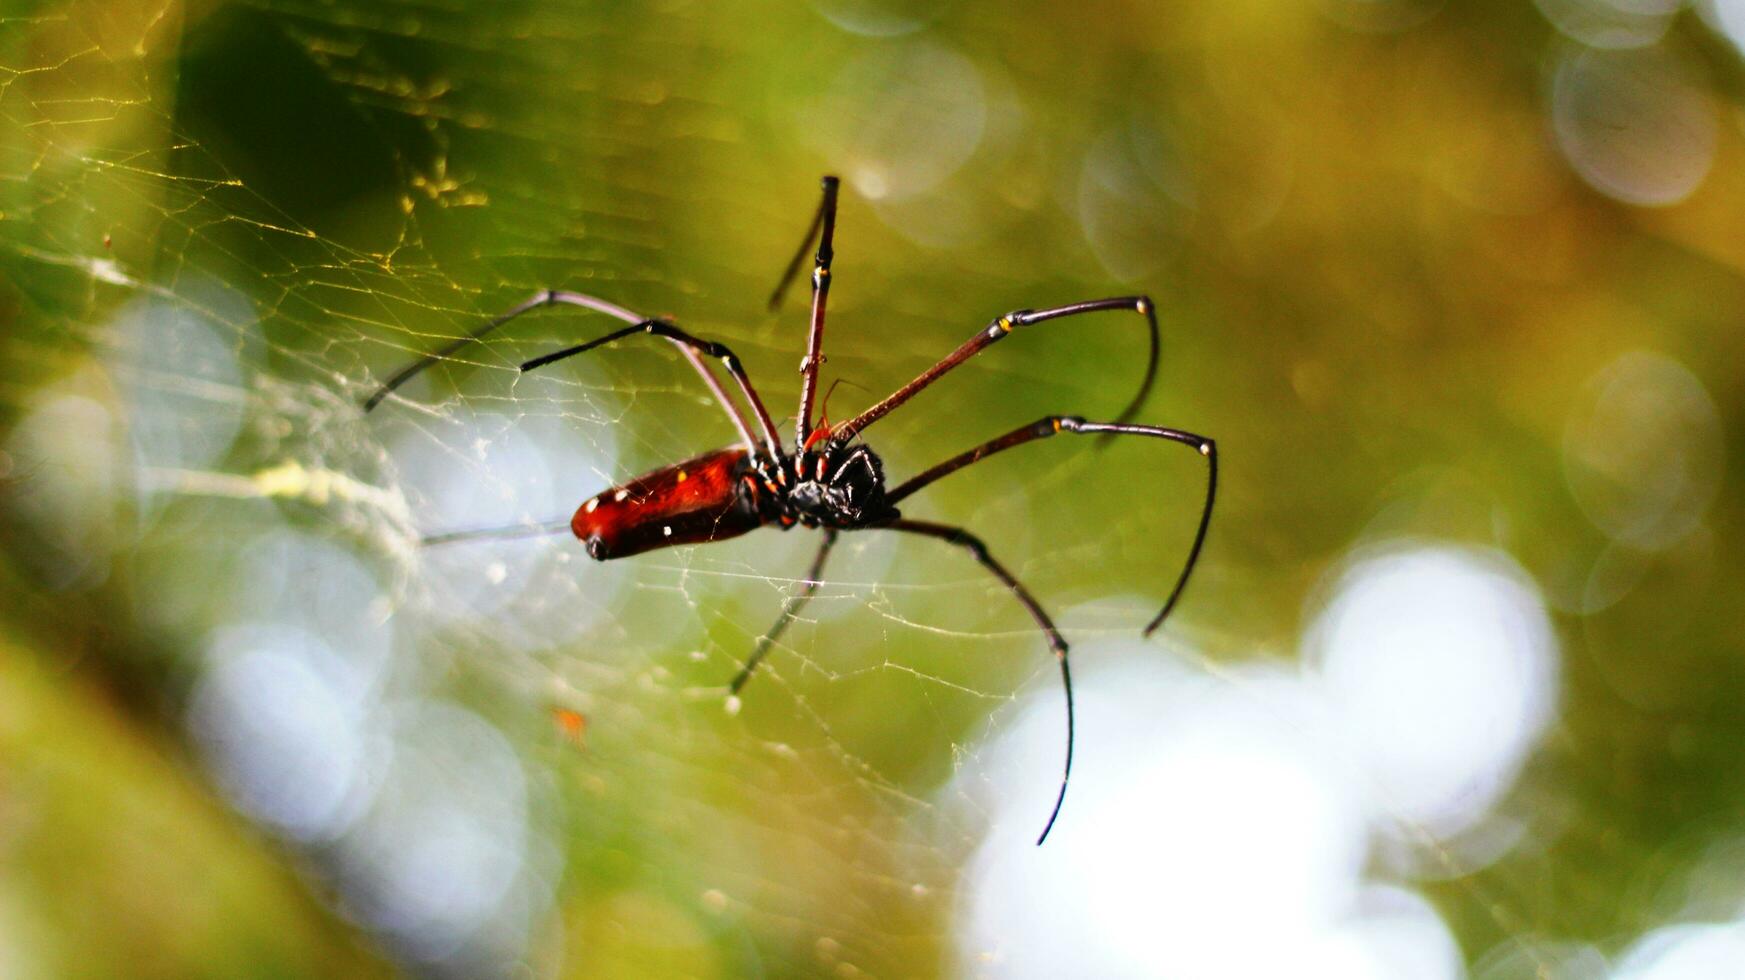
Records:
x=1051, y=425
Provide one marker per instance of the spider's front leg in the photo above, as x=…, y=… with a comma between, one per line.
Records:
x=1051, y=425
x=690, y=346
x=997, y=331
x=707, y=348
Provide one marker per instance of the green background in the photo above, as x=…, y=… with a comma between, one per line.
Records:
x=1386, y=283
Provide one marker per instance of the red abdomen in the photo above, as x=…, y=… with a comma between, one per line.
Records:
x=701, y=499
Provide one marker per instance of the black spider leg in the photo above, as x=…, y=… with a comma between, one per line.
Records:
x=790, y=609
x=506, y=532
x=721, y=396
x=814, y=359
x=997, y=331
x=1053, y=424
x=793, y=269
x=553, y=297
x=961, y=537
x=708, y=348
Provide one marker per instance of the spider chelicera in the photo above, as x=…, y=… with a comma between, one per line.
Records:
x=829, y=481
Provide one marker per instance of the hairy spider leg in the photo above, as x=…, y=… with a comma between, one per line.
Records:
x=996, y=331
x=555, y=297
x=790, y=609
x=975, y=546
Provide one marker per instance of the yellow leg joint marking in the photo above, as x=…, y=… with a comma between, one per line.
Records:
x=1005, y=324
x=1057, y=425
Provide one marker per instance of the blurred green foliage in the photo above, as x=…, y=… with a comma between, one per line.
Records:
x=1385, y=285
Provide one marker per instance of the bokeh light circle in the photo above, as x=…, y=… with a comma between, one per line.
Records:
x=900, y=119
x=1215, y=830
x=1643, y=450
x=1441, y=665
x=1639, y=126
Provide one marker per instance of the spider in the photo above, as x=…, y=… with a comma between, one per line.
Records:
x=829, y=481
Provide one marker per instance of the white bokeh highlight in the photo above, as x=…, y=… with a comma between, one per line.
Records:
x=900, y=119
x=283, y=724
x=881, y=18
x=1727, y=17
x=1224, y=825
x=1640, y=126
x=1213, y=831
x=1441, y=665
x=1686, y=952
x=437, y=857
x=1135, y=196
x=177, y=369
x=474, y=471
x=1611, y=24
x=69, y=443
x=1644, y=451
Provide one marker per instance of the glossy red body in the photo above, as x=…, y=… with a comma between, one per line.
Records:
x=701, y=499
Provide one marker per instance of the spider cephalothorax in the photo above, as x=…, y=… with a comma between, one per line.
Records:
x=838, y=485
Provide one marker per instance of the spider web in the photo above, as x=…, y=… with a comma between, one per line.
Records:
x=251, y=231
x=228, y=225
